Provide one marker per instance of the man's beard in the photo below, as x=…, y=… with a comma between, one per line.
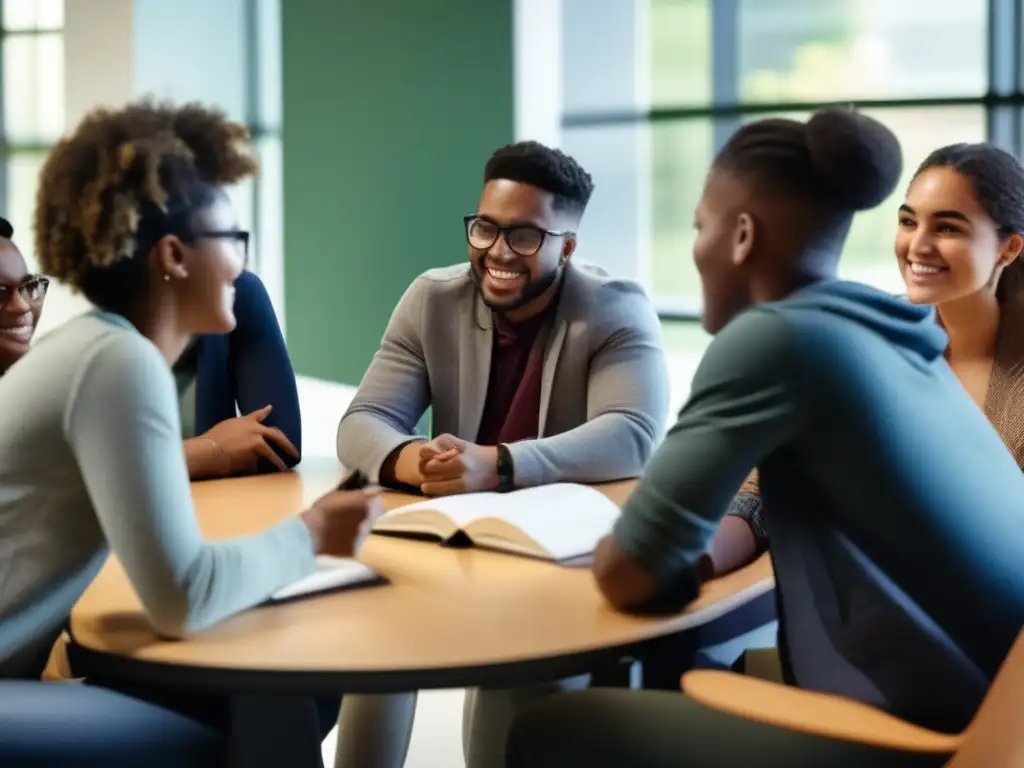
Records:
x=533, y=289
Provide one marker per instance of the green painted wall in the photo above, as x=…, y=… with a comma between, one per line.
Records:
x=391, y=108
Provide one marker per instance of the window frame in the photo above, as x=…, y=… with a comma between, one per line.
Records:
x=255, y=116
x=8, y=148
x=1003, y=100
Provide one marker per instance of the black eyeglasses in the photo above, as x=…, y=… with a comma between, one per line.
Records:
x=238, y=235
x=32, y=289
x=521, y=239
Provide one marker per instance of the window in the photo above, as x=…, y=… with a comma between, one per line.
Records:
x=33, y=67
x=22, y=180
x=32, y=88
x=33, y=15
x=716, y=65
x=934, y=71
x=264, y=109
x=808, y=50
x=32, y=118
x=815, y=50
x=683, y=151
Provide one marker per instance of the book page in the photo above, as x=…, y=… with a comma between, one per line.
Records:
x=566, y=520
x=459, y=509
x=330, y=573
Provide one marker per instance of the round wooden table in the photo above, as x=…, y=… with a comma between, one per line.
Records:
x=448, y=618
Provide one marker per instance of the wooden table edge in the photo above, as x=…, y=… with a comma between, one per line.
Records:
x=740, y=612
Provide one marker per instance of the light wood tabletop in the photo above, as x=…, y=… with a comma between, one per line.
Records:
x=446, y=615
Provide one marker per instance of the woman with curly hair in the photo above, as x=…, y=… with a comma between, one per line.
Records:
x=132, y=212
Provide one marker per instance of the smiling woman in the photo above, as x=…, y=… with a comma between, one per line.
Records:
x=960, y=236
x=21, y=300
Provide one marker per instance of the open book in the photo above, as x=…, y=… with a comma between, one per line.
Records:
x=332, y=573
x=561, y=522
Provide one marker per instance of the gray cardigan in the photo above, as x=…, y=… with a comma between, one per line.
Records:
x=604, y=395
x=90, y=462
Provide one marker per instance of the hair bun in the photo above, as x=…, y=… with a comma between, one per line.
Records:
x=857, y=158
x=6, y=229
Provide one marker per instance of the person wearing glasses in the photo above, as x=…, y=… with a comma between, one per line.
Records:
x=21, y=300
x=132, y=212
x=248, y=370
x=538, y=369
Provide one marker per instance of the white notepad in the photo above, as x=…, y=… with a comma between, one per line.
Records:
x=331, y=573
x=562, y=522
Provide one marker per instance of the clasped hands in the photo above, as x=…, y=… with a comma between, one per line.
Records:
x=447, y=465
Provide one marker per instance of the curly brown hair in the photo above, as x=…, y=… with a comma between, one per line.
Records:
x=99, y=182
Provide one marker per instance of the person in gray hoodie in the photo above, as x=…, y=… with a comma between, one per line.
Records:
x=891, y=503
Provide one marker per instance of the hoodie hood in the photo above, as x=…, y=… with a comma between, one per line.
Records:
x=901, y=323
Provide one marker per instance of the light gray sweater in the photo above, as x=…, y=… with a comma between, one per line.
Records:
x=91, y=460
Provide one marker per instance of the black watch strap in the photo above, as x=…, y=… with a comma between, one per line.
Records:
x=506, y=470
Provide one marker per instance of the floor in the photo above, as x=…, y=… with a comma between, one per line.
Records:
x=437, y=732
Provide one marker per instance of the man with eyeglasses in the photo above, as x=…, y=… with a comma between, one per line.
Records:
x=21, y=300
x=537, y=369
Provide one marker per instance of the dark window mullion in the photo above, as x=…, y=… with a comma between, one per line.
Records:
x=253, y=112
x=1003, y=124
x=675, y=114
x=725, y=65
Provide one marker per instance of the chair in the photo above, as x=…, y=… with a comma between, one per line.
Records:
x=994, y=738
x=78, y=726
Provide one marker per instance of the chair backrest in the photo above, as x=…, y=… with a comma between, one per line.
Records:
x=995, y=738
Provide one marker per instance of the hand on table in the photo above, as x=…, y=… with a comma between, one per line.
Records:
x=627, y=584
x=449, y=465
x=243, y=440
x=340, y=521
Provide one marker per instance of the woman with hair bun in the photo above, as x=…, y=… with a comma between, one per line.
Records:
x=958, y=246
x=895, y=550
x=132, y=212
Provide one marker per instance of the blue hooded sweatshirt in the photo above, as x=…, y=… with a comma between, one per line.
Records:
x=894, y=510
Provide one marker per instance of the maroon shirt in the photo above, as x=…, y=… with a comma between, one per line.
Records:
x=512, y=409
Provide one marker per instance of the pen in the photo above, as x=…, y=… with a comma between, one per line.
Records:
x=353, y=480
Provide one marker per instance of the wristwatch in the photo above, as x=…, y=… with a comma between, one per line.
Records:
x=506, y=470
